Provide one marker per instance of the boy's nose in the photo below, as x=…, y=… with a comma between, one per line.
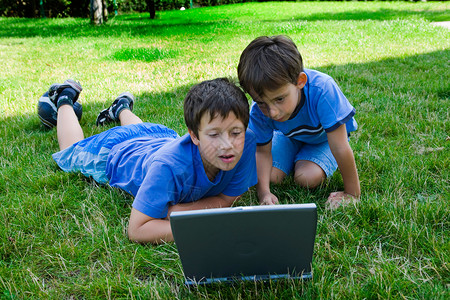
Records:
x=273, y=112
x=225, y=143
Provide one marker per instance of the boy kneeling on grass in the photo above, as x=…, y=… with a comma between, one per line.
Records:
x=209, y=167
x=301, y=119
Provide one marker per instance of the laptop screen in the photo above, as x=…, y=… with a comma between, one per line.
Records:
x=246, y=243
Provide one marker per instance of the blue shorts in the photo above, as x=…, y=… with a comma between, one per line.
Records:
x=89, y=156
x=286, y=152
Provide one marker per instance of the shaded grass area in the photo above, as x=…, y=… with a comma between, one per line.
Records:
x=64, y=236
x=142, y=54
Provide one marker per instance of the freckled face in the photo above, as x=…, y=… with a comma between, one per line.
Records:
x=220, y=142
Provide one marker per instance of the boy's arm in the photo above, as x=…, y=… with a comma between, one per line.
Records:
x=343, y=154
x=218, y=201
x=145, y=229
x=264, y=169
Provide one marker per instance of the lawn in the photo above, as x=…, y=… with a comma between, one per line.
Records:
x=64, y=236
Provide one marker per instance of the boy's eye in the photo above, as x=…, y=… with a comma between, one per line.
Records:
x=236, y=133
x=279, y=99
x=213, y=134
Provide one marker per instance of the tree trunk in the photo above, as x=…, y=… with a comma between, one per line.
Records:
x=96, y=12
x=105, y=11
x=151, y=8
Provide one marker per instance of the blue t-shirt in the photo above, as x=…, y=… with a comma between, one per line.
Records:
x=165, y=171
x=323, y=108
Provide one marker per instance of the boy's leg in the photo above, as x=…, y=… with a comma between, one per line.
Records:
x=308, y=174
x=60, y=99
x=127, y=117
x=68, y=128
x=120, y=110
x=284, y=150
x=313, y=164
x=277, y=175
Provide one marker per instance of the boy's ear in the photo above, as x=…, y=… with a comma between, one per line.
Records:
x=194, y=138
x=301, y=80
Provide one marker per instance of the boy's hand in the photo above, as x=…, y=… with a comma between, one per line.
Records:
x=268, y=199
x=337, y=199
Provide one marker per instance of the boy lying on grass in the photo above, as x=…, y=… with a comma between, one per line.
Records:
x=301, y=119
x=209, y=167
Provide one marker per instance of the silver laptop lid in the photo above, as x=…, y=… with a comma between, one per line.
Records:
x=246, y=243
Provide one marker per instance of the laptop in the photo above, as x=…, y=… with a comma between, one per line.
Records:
x=256, y=243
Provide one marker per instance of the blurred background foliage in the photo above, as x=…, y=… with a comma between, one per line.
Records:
x=80, y=8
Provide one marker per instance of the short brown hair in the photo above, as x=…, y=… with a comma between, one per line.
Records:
x=219, y=97
x=268, y=63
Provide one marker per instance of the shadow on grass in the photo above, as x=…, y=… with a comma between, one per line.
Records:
x=143, y=54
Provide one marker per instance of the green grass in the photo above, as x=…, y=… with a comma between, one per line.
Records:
x=63, y=236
